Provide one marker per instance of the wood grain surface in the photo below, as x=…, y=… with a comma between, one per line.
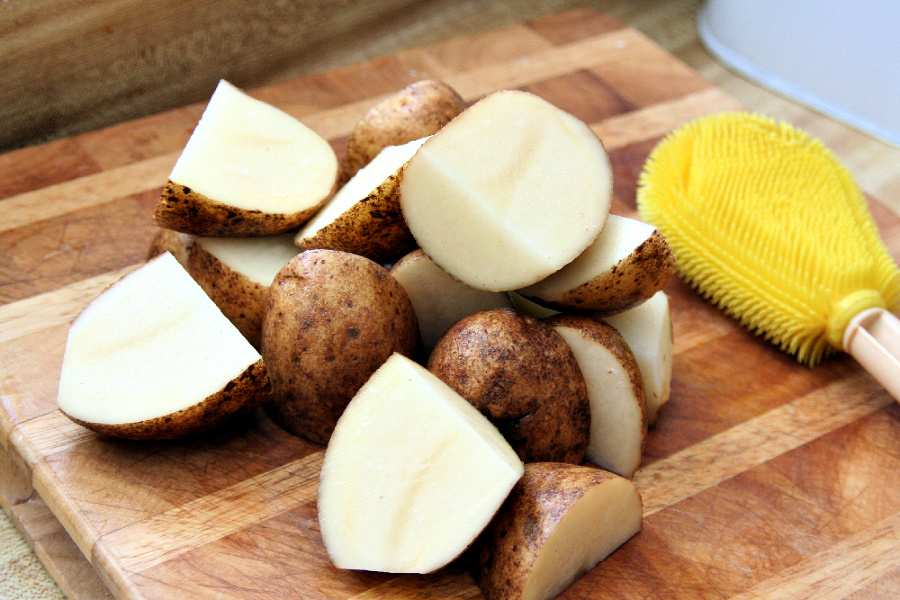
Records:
x=762, y=479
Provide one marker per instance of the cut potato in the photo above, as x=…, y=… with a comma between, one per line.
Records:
x=237, y=272
x=615, y=389
x=247, y=169
x=559, y=522
x=364, y=216
x=439, y=299
x=508, y=192
x=412, y=474
x=332, y=319
x=415, y=112
x=627, y=263
x=648, y=331
x=152, y=357
x=522, y=375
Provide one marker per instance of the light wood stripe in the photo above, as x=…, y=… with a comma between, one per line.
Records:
x=53, y=308
x=212, y=517
x=754, y=442
x=45, y=435
x=833, y=574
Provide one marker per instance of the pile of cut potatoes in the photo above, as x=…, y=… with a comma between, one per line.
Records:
x=451, y=310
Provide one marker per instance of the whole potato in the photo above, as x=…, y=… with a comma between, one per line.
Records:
x=332, y=319
x=523, y=376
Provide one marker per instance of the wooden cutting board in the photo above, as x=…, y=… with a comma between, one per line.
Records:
x=762, y=478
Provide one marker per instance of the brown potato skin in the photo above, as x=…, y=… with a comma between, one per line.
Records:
x=182, y=209
x=522, y=375
x=630, y=282
x=501, y=558
x=374, y=227
x=331, y=320
x=242, y=301
x=243, y=394
x=174, y=242
x=418, y=110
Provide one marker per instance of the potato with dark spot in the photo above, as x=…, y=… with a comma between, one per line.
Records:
x=417, y=111
x=332, y=319
x=523, y=376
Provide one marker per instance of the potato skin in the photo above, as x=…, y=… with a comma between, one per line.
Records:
x=176, y=243
x=374, y=227
x=331, y=320
x=242, y=395
x=501, y=558
x=182, y=209
x=630, y=282
x=522, y=375
x=417, y=111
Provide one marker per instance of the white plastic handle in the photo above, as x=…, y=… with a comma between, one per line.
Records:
x=873, y=338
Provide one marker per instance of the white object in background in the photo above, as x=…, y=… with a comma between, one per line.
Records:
x=839, y=57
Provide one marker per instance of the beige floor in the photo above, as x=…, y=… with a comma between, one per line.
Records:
x=672, y=24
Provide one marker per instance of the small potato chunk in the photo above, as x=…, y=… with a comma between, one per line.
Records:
x=439, y=299
x=247, y=169
x=615, y=389
x=558, y=523
x=647, y=329
x=237, y=272
x=412, y=474
x=417, y=111
x=332, y=319
x=508, y=192
x=364, y=216
x=153, y=358
x=627, y=263
x=522, y=375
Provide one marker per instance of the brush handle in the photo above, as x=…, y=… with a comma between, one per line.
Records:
x=873, y=338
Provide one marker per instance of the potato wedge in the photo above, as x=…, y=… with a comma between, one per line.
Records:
x=237, y=272
x=615, y=390
x=152, y=357
x=627, y=263
x=522, y=375
x=647, y=329
x=417, y=111
x=508, y=192
x=364, y=216
x=247, y=169
x=412, y=474
x=332, y=319
x=439, y=299
x=559, y=522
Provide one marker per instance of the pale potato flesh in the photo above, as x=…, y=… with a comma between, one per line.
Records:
x=439, y=299
x=257, y=258
x=597, y=524
x=648, y=330
x=150, y=345
x=618, y=415
x=363, y=183
x=412, y=474
x=250, y=155
x=508, y=192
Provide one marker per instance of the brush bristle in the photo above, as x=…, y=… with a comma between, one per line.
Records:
x=766, y=223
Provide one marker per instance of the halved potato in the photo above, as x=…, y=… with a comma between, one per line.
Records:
x=247, y=169
x=523, y=376
x=417, y=111
x=439, y=299
x=648, y=331
x=364, y=216
x=237, y=273
x=412, y=474
x=559, y=521
x=615, y=390
x=152, y=357
x=508, y=192
x=627, y=263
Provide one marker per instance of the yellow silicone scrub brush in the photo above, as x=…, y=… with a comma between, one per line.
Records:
x=766, y=223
